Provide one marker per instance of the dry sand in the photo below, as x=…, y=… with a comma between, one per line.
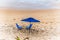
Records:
x=47, y=29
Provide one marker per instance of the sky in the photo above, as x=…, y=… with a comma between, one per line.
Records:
x=30, y=4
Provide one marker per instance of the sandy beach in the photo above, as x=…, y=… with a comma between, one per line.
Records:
x=47, y=29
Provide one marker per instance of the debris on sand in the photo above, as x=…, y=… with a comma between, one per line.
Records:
x=27, y=38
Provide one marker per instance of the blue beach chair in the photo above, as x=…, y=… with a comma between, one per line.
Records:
x=19, y=27
x=29, y=27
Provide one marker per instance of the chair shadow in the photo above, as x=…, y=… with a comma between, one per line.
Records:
x=32, y=32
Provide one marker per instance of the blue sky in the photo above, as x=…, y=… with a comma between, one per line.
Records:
x=29, y=4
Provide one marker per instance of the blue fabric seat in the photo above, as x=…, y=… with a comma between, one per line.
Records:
x=19, y=27
x=29, y=27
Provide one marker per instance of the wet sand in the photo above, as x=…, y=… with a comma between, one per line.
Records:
x=47, y=29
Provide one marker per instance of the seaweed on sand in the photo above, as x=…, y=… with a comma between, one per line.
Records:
x=17, y=38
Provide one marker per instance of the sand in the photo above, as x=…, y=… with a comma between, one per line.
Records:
x=47, y=29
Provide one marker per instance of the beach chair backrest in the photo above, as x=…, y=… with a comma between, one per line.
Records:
x=30, y=26
x=19, y=27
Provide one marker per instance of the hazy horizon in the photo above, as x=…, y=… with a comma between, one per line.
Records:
x=30, y=4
